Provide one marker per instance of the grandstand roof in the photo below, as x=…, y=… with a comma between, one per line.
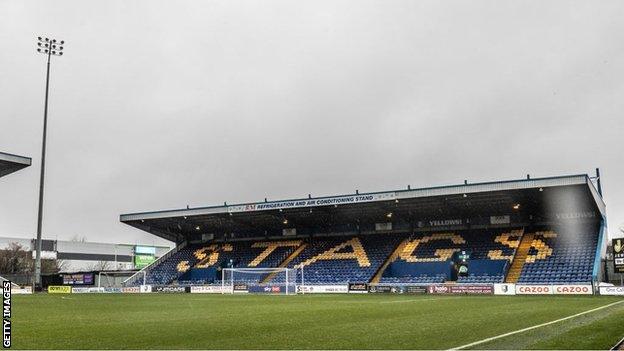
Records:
x=524, y=200
x=12, y=163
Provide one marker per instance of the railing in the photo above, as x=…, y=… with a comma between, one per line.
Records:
x=143, y=272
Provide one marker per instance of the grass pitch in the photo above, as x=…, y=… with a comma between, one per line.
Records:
x=356, y=321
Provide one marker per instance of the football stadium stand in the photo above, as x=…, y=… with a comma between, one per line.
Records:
x=425, y=258
x=530, y=231
x=12, y=163
x=338, y=260
x=561, y=256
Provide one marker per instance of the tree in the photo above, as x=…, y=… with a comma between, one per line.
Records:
x=15, y=260
x=52, y=266
x=101, y=266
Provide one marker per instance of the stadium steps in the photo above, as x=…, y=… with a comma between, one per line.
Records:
x=391, y=258
x=285, y=263
x=519, y=258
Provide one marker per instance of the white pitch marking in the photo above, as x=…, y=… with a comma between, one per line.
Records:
x=533, y=327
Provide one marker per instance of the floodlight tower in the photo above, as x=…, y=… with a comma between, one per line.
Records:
x=48, y=47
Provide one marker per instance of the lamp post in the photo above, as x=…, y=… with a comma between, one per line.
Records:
x=48, y=47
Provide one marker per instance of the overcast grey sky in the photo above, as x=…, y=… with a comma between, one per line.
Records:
x=160, y=104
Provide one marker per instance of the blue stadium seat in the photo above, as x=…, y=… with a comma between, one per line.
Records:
x=565, y=256
x=561, y=256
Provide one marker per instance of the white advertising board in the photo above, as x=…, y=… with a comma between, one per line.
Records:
x=81, y=290
x=210, y=289
x=504, y=289
x=22, y=291
x=323, y=289
x=612, y=290
x=572, y=289
x=561, y=289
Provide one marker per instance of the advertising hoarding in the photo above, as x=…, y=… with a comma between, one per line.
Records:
x=612, y=290
x=131, y=290
x=560, y=289
x=142, y=261
x=210, y=289
x=170, y=289
x=323, y=289
x=618, y=255
x=26, y=290
x=461, y=289
x=78, y=278
x=59, y=289
x=397, y=289
x=80, y=290
x=358, y=288
x=504, y=289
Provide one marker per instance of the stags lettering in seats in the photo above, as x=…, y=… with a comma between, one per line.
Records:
x=358, y=253
x=209, y=255
x=511, y=240
x=407, y=254
x=539, y=245
x=270, y=248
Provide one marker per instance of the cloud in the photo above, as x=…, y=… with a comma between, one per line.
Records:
x=158, y=104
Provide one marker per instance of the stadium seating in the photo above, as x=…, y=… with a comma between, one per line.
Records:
x=171, y=268
x=200, y=264
x=561, y=255
x=426, y=258
x=341, y=260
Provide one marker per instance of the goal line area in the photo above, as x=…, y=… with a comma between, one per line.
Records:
x=262, y=280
